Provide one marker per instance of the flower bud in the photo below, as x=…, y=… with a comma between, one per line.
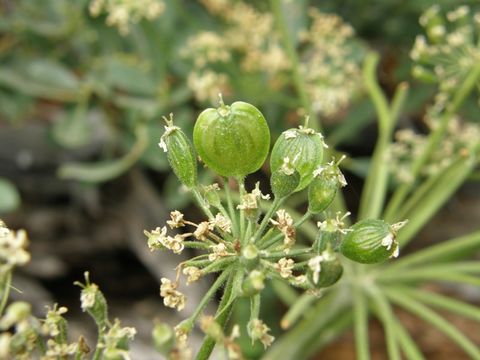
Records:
x=254, y=283
x=371, y=241
x=304, y=148
x=180, y=153
x=163, y=338
x=250, y=257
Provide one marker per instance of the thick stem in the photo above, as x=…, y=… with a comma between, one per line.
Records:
x=221, y=318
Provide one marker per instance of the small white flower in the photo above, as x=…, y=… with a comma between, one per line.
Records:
x=88, y=296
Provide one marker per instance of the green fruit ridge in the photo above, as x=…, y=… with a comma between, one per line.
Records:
x=304, y=148
x=232, y=140
x=371, y=241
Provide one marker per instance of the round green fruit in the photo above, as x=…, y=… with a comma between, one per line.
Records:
x=371, y=241
x=232, y=140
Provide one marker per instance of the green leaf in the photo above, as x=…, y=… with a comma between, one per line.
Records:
x=9, y=196
x=105, y=170
x=49, y=72
x=73, y=130
x=129, y=77
x=431, y=317
x=443, y=302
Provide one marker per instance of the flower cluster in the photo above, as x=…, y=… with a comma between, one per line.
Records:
x=330, y=62
x=250, y=238
x=249, y=35
x=450, y=49
x=123, y=13
x=13, y=246
x=461, y=139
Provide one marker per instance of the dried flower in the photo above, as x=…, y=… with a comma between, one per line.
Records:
x=222, y=223
x=218, y=251
x=285, y=266
x=258, y=330
x=284, y=223
x=12, y=248
x=156, y=238
x=123, y=13
x=193, y=274
x=202, y=231
x=176, y=220
x=171, y=296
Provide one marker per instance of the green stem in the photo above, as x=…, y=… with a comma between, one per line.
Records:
x=255, y=307
x=360, y=317
x=209, y=343
x=208, y=296
x=431, y=275
x=387, y=318
x=447, y=183
x=299, y=308
x=241, y=186
x=291, y=253
x=201, y=202
x=375, y=188
x=448, y=250
x=298, y=78
x=5, y=290
x=407, y=343
x=231, y=210
x=434, y=319
x=442, y=302
x=269, y=242
x=433, y=141
x=266, y=219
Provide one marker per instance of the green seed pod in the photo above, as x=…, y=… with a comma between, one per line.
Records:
x=250, y=256
x=210, y=192
x=163, y=338
x=304, y=148
x=330, y=234
x=180, y=153
x=371, y=241
x=324, y=270
x=324, y=186
x=285, y=180
x=253, y=284
x=232, y=140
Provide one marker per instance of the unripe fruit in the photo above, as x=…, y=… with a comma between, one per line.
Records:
x=232, y=140
x=324, y=270
x=285, y=180
x=371, y=241
x=324, y=186
x=304, y=148
x=180, y=153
